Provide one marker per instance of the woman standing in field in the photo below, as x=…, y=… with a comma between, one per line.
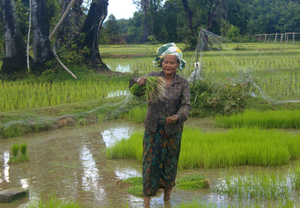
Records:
x=164, y=124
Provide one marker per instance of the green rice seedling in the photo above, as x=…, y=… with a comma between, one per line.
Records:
x=193, y=181
x=221, y=149
x=23, y=157
x=14, y=159
x=138, y=114
x=127, y=148
x=261, y=185
x=154, y=89
x=266, y=119
x=53, y=202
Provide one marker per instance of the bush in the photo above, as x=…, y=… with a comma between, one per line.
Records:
x=210, y=99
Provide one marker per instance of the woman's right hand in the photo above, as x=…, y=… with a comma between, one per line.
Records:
x=141, y=81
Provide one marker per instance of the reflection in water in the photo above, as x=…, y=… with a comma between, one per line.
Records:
x=126, y=173
x=117, y=93
x=24, y=183
x=90, y=176
x=120, y=68
x=112, y=135
x=6, y=166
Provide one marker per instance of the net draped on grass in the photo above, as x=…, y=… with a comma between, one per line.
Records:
x=266, y=119
x=235, y=147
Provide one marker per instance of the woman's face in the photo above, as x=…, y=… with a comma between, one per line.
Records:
x=170, y=64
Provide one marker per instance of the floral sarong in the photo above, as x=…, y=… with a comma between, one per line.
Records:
x=160, y=158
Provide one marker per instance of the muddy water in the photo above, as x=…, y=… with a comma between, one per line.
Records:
x=72, y=164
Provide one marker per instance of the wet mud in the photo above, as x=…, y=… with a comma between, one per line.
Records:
x=71, y=163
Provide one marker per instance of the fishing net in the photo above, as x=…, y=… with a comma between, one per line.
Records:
x=270, y=71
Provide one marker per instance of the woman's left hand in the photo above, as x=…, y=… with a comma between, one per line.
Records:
x=172, y=119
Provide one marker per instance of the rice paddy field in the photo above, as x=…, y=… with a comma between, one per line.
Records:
x=251, y=158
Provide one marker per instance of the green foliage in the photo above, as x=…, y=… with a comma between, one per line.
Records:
x=152, y=39
x=233, y=33
x=209, y=99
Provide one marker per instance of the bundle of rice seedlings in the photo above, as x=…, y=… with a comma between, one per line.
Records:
x=134, y=185
x=154, y=89
x=129, y=182
x=23, y=157
x=136, y=190
x=14, y=159
x=193, y=181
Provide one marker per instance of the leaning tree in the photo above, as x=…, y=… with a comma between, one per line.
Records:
x=90, y=28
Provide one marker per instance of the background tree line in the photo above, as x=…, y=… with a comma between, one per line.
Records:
x=181, y=20
x=155, y=21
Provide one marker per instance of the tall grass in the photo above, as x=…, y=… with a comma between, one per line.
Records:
x=266, y=119
x=222, y=149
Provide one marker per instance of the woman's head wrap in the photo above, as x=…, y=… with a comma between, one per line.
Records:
x=169, y=49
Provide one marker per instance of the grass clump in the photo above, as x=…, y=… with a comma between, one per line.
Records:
x=23, y=157
x=266, y=119
x=154, y=89
x=222, y=149
x=193, y=181
x=14, y=159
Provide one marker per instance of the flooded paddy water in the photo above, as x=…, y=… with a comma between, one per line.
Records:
x=71, y=163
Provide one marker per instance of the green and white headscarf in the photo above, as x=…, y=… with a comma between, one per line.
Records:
x=169, y=49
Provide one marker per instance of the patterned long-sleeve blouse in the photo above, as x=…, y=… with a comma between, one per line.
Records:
x=177, y=102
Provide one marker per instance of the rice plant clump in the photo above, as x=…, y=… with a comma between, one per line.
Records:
x=14, y=159
x=154, y=89
x=193, y=181
x=23, y=157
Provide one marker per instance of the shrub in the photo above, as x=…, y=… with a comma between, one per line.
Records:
x=209, y=99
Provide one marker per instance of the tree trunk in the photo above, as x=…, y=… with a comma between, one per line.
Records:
x=212, y=13
x=41, y=44
x=15, y=51
x=63, y=29
x=145, y=23
x=189, y=16
x=91, y=27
